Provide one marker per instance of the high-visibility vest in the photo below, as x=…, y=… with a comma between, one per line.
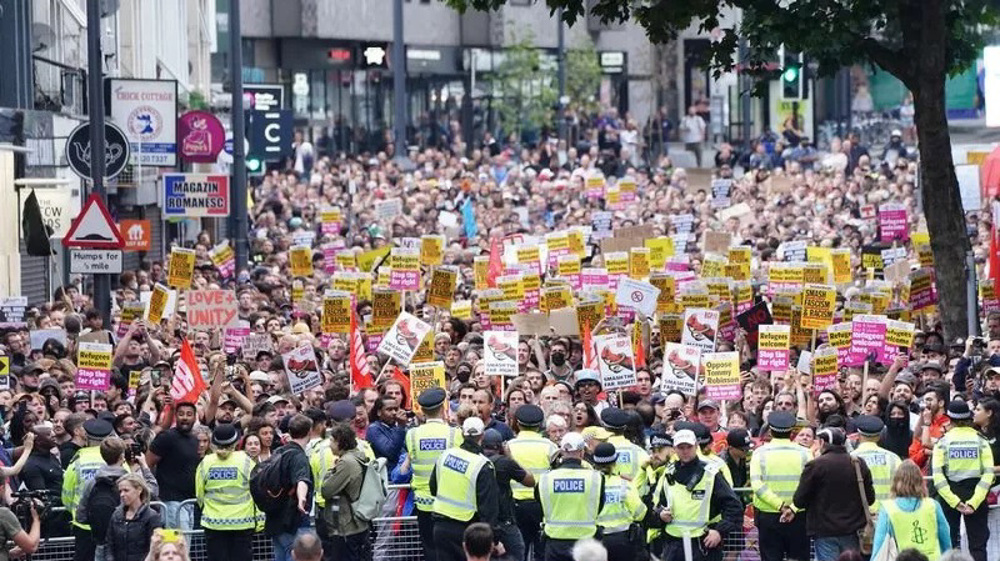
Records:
x=631, y=458
x=774, y=473
x=82, y=469
x=917, y=530
x=322, y=459
x=690, y=508
x=532, y=452
x=570, y=500
x=424, y=444
x=883, y=464
x=658, y=478
x=962, y=454
x=222, y=487
x=457, y=472
x=622, y=505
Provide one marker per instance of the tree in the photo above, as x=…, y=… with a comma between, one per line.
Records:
x=583, y=76
x=920, y=42
x=525, y=89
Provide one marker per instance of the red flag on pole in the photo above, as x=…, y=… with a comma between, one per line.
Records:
x=187, y=383
x=360, y=376
x=496, y=262
x=637, y=348
x=589, y=355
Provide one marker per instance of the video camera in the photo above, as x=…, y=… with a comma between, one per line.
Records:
x=42, y=498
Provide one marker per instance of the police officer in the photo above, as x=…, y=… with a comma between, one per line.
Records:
x=631, y=458
x=661, y=446
x=774, y=475
x=82, y=469
x=694, y=493
x=571, y=496
x=881, y=462
x=705, y=451
x=424, y=444
x=222, y=488
x=534, y=453
x=962, y=467
x=464, y=488
x=622, y=508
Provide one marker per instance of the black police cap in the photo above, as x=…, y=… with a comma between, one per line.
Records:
x=605, y=453
x=225, y=434
x=96, y=428
x=529, y=415
x=869, y=425
x=614, y=418
x=432, y=398
x=781, y=421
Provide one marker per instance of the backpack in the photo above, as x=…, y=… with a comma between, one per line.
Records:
x=101, y=504
x=268, y=488
x=374, y=490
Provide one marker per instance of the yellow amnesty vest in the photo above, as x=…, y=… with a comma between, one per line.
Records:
x=631, y=458
x=457, y=471
x=424, y=444
x=82, y=469
x=222, y=488
x=690, y=509
x=532, y=452
x=774, y=473
x=622, y=505
x=570, y=500
x=917, y=530
x=882, y=463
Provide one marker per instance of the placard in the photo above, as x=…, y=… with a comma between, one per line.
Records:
x=700, y=328
x=442, y=288
x=235, y=335
x=615, y=361
x=752, y=319
x=386, y=305
x=500, y=353
x=180, y=270
x=431, y=250
x=403, y=338
x=680, y=369
x=300, y=261
x=405, y=274
x=12, y=310
x=722, y=375
x=892, y=223
x=224, y=259
x=336, y=312
x=773, y=347
x=93, y=366
x=302, y=369
x=824, y=369
x=839, y=337
x=157, y=305
x=818, y=304
x=388, y=210
x=867, y=340
x=638, y=295
x=424, y=376
x=256, y=343
x=211, y=308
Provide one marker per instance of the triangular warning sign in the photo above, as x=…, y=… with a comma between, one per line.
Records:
x=93, y=228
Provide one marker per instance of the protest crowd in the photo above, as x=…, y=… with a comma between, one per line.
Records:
x=528, y=348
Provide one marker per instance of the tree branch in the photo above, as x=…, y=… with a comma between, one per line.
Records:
x=890, y=60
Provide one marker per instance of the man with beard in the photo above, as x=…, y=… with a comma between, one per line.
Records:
x=559, y=366
x=852, y=390
x=931, y=426
x=174, y=454
x=829, y=403
x=44, y=472
x=16, y=348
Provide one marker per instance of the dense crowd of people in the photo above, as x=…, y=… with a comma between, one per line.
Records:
x=558, y=453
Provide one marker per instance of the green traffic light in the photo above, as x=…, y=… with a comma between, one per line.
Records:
x=253, y=164
x=791, y=74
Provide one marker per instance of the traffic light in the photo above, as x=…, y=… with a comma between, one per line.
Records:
x=255, y=166
x=791, y=74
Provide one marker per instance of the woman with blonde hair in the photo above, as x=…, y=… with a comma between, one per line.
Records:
x=910, y=518
x=168, y=545
x=130, y=531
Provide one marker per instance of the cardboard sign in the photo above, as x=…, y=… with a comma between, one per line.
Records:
x=615, y=361
x=403, y=338
x=336, y=312
x=533, y=323
x=722, y=375
x=773, y=344
x=405, y=274
x=718, y=242
x=442, y=289
x=93, y=366
x=752, y=319
x=388, y=210
x=302, y=369
x=500, y=353
x=867, y=340
x=211, y=308
x=424, y=376
x=300, y=261
x=824, y=369
x=818, y=304
x=700, y=328
x=680, y=369
x=638, y=295
x=256, y=343
x=431, y=250
x=892, y=223
x=180, y=269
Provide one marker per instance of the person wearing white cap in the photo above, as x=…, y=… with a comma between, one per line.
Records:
x=694, y=494
x=464, y=486
x=571, y=497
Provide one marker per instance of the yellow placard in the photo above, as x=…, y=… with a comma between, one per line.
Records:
x=386, y=305
x=737, y=271
x=839, y=335
x=157, y=304
x=576, y=245
x=713, y=265
x=668, y=289
x=424, y=376
x=670, y=328
x=442, y=288
x=899, y=333
x=502, y=313
x=774, y=338
x=840, y=260
x=815, y=273
x=856, y=308
x=94, y=359
x=512, y=286
x=719, y=287
x=818, y=303
x=740, y=254
x=480, y=269
x=461, y=309
x=659, y=250
x=345, y=281
x=556, y=297
x=528, y=254
x=364, y=286
x=368, y=259
x=568, y=265
x=300, y=260
x=337, y=313
x=824, y=364
x=346, y=260
x=4, y=366
x=589, y=314
x=431, y=250
x=781, y=308
x=695, y=299
x=425, y=352
x=557, y=241
x=180, y=269
x=638, y=262
x=616, y=262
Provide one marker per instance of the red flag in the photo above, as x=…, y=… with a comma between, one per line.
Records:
x=360, y=376
x=496, y=262
x=404, y=380
x=589, y=355
x=637, y=348
x=188, y=383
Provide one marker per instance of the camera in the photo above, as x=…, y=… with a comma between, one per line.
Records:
x=135, y=448
x=22, y=505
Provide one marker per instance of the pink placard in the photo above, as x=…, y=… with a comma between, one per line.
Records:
x=867, y=340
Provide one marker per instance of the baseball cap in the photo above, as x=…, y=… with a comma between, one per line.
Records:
x=739, y=438
x=572, y=442
x=685, y=437
x=473, y=426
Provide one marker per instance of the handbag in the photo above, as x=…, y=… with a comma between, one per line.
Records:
x=867, y=534
x=889, y=550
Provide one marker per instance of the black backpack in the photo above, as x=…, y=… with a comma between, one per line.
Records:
x=268, y=485
x=101, y=504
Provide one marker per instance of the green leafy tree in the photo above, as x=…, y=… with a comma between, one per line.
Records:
x=583, y=76
x=920, y=42
x=525, y=90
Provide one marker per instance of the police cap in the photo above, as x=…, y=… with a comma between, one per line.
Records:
x=614, y=418
x=529, y=415
x=781, y=422
x=432, y=398
x=869, y=425
x=605, y=454
x=340, y=411
x=225, y=434
x=96, y=428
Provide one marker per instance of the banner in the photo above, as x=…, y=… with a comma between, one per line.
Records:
x=93, y=366
x=207, y=309
x=500, y=354
x=403, y=338
x=302, y=369
x=722, y=375
x=700, y=329
x=615, y=360
x=680, y=369
x=773, y=344
x=180, y=269
x=424, y=376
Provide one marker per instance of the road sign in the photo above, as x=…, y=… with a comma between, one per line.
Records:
x=93, y=228
x=116, y=150
x=95, y=261
x=270, y=134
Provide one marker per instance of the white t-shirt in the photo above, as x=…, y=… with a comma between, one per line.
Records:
x=693, y=129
